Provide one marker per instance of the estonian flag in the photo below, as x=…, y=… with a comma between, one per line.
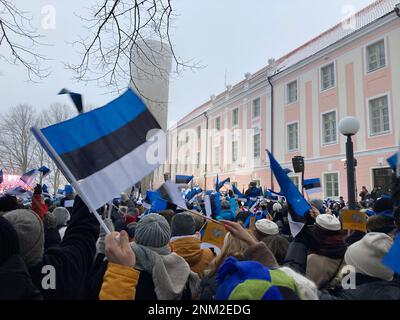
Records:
x=288, y=189
x=167, y=196
x=44, y=170
x=106, y=150
x=220, y=185
x=29, y=177
x=241, y=196
x=312, y=186
x=76, y=98
x=394, y=162
x=182, y=179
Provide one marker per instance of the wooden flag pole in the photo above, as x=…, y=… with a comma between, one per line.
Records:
x=200, y=215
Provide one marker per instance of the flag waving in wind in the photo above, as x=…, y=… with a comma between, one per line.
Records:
x=222, y=183
x=29, y=177
x=288, y=189
x=312, y=186
x=44, y=170
x=106, y=150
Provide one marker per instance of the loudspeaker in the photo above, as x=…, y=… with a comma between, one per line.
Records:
x=298, y=164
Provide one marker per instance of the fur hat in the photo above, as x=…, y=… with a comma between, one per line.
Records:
x=328, y=222
x=30, y=231
x=366, y=255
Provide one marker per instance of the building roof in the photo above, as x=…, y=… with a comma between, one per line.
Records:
x=359, y=20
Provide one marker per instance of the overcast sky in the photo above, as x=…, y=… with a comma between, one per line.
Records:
x=229, y=37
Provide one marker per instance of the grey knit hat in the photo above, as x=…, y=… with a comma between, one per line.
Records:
x=29, y=228
x=50, y=221
x=153, y=230
x=62, y=216
x=182, y=224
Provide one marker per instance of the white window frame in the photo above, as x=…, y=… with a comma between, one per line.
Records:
x=325, y=144
x=235, y=141
x=287, y=136
x=233, y=113
x=252, y=109
x=256, y=132
x=320, y=76
x=389, y=112
x=366, y=71
x=324, y=182
x=296, y=176
x=287, y=92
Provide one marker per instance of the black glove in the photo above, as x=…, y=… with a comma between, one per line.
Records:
x=38, y=189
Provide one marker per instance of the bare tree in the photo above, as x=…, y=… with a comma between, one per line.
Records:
x=20, y=40
x=53, y=114
x=116, y=27
x=17, y=144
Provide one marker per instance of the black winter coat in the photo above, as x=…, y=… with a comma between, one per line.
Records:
x=208, y=288
x=15, y=281
x=74, y=257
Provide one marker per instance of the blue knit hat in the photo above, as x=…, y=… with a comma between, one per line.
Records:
x=250, y=280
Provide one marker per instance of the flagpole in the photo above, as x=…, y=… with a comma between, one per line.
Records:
x=200, y=215
x=67, y=173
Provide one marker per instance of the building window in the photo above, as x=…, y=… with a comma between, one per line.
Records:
x=187, y=137
x=256, y=145
x=218, y=123
x=328, y=76
x=292, y=92
x=198, y=160
x=329, y=134
x=216, y=156
x=331, y=185
x=235, y=117
x=256, y=108
x=295, y=180
x=198, y=132
x=383, y=179
x=186, y=163
x=234, y=151
x=379, y=116
x=292, y=136
x=376, y=56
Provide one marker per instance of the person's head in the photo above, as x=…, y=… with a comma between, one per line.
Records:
x=383, y=206
x=8, y=239
x=183, y=224
x=253, y=184
x=130, y=230
x=153, y=231
x=278, y=245
x=62, y=216
x=380, y=223
x=225, y=205
x=30, y=232
x=366, y=255
x=8, y=203
x=167, y=214
x=325, y=226
x=265, y=227
x=277, y=207
x=318, y=204
x=124, y=199
x=50, y=221
x=232, y=247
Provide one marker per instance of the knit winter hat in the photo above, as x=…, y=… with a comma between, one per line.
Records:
x=267, y=227
x=153, y=230
x=62, y=216
x=366, y=255
x=328, y=222
x=8, y=240
x=318, y=204
x=50, y=221
x=182, y=224
x=277, y=207
x=29, y=228
x=384, y=206
x=8, y=203
x=250, y=280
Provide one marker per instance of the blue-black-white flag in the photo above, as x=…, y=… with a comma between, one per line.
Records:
x=222, y=183
x=44, y=170
x=312, y=186
x=241, y=196
x=76, y=99
x=288, y=189
x=167, y=196
x=182, y=179
x=106, y=150
x=29, y=177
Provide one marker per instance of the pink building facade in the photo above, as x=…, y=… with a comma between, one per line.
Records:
x=293, y=107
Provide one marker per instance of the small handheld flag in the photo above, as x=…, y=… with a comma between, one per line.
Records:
x=29, y=177
x=76, y=98
x=44, y=170
x=312, y=186
x=220, y=185
x=182, y=179
x=214, y=234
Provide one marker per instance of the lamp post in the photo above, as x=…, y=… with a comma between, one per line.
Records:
x=348, y=127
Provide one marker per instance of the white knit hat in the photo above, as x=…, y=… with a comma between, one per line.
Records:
x=328, y=222
x=267, y=227
x=366, y=255
x=277, y=207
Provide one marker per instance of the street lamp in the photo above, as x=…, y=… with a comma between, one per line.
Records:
x=348, y=127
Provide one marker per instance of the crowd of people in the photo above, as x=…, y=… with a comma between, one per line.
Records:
x=162, y=256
